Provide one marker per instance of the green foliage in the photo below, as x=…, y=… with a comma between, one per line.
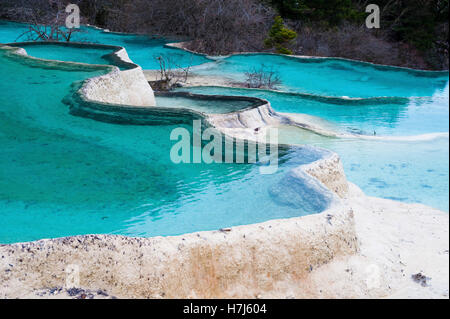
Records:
x=283, y=50
x=329, y=12
x=280, y=36
x=414, y=21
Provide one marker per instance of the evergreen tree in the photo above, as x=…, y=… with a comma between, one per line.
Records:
x=330, y=12
x=279, y=36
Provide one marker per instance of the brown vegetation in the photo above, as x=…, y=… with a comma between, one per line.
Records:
x=48, y=28
x=357, y=42
x=170, y=73
x=218, y=27
x=262, y=78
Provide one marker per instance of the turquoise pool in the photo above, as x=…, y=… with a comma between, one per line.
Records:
x=53, y=51
x=141, y=49
x=332, y=77
x=408, y=163
x=204, y=106
x=64, y=175
x=384, y=117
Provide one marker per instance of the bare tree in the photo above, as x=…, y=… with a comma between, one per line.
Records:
x=215, y=26
x=48, y=28
x=262, y=78
x=172, y=72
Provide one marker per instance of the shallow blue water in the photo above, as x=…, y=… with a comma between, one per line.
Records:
x=390, y=117
x=204, y=106
x=63, y=175
x=141, y=49
x=71, y=54
x=332, y=77
x=414, y=171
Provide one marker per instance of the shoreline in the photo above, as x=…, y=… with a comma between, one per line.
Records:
x=182, y=46
x=381, y=260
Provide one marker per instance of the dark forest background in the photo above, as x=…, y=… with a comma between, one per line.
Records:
x=413, y=33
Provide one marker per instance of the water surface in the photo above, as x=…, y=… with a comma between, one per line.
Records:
x=403, y=164
x=64, y=175
x=141, y=49
x=331, y=77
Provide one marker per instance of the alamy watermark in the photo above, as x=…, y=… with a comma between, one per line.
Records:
x=72, y=276
x=209, y=145
x=373, y=19
x=73, y=19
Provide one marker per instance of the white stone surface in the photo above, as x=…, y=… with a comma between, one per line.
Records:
x=127, y=87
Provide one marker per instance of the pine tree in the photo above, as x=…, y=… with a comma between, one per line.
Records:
x=280, y=36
